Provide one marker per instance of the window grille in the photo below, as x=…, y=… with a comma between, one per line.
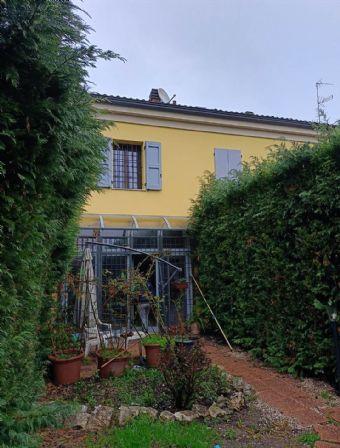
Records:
x=127, y=166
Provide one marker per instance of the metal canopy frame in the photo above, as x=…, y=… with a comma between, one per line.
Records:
x=135, y=220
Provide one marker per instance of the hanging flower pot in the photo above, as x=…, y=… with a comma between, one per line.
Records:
x=66, y=366
x=180, y=285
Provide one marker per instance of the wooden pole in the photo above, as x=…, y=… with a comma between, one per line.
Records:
x=212, y=313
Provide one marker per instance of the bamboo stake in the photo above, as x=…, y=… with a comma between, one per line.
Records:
x=212, y=313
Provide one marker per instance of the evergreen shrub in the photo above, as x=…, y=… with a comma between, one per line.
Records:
x=50, y=156
x=267, y=244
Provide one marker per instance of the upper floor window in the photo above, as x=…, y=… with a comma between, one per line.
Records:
x=122, y=166
x=127, y=166
x=227, y=163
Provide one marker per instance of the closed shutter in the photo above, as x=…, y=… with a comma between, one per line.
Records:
x=153, y=166
x=106, y=176
x=226, y=162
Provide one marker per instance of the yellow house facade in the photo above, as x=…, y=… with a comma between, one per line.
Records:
x=188, y=138
x=156, y=154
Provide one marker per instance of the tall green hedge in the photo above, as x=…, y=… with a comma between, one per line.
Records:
x=268, y=254
x=50, y=154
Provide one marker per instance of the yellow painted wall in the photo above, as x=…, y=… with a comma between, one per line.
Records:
x=186, y=155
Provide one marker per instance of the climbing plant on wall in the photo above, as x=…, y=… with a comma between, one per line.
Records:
x=50, y=154
x=268, y=250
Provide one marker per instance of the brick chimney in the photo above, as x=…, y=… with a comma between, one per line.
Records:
x=154, y=97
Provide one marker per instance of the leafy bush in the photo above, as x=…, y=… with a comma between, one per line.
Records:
x=268, y=250
x=163, y=341
x=212, y=383
x=309, y=438
x=145, y=433
x=50, y=154
x=182, y=370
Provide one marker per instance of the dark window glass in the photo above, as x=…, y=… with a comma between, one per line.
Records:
x=127, y=166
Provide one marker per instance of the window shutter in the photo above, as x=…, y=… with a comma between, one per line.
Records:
x=226, y=161
x=106, y=176
x=235, y=159
x=153, y=166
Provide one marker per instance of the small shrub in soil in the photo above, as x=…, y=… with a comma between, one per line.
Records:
x=309, y=438
x=182, y=371
x=212, y=382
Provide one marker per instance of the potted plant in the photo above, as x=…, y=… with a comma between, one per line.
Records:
x=154, y=344
x=112, y=359
x=66, y=356
x=196, y=323
x=180, y=284
x=184, y=342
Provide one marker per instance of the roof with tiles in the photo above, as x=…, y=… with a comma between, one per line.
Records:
x=154, y=104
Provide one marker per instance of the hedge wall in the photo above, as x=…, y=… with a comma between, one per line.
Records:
x=50, y=154
x=268, y=251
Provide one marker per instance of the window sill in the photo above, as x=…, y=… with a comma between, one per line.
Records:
x=128, y=189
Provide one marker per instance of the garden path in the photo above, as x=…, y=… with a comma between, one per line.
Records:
x=283, y=392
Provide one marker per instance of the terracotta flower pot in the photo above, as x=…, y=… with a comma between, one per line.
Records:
x=153, y=354
x=66, y=371
x=112, y=367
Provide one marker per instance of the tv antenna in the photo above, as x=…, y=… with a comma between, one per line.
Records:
x=322, y=100
x=164, y=96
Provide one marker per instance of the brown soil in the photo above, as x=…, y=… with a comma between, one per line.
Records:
x=259, y=426
x=63, y=438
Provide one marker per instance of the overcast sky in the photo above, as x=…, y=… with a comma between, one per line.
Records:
x=240, y=55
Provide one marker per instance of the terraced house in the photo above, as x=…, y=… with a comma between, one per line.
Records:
x=156, y=154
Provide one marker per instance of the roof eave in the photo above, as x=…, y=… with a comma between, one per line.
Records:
x=202, y=112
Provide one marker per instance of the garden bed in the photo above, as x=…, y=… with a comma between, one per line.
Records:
x=254, y=425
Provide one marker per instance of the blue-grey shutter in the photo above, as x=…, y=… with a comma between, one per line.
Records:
x=226, y=162
x=106, y=176
x=153, y=165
